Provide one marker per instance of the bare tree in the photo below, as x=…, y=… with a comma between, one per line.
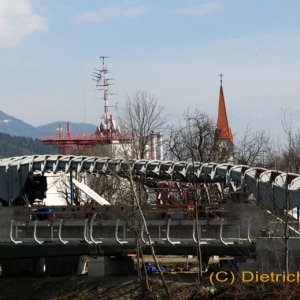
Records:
x=288, y=158
x=256, y=149
x=197, y=139
x=114, y=189
x=142, y=114
x=290, y=153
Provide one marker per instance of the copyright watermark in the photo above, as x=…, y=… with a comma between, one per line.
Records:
x=222, y=277
x=229, y=277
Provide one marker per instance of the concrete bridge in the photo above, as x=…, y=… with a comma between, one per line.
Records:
x=228, y=225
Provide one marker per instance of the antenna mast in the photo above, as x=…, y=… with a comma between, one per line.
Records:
x=101, y=77
x=107, y=133
x=104, y=83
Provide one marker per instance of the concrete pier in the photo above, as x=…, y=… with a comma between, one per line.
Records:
x=63, y=265
x=104, y=265
x=18, y=267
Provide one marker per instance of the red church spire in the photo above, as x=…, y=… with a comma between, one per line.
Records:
x=222, y=125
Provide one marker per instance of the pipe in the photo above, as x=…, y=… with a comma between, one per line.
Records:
x=71, y=187
x=142, y=236
x=91, y=232
x=151, y=145
x=69, y=129
x=59, y=232
x=159, y=146
x=168, y=234
x=85, y=231
x=116, y=234
x=248, y=231
x=34, y=233
x=194, y=233
x=221, y=235
x=11, y=233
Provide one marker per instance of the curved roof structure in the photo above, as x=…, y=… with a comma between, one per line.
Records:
x=19, y=175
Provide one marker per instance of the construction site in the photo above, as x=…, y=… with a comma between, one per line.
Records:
x=156, y=216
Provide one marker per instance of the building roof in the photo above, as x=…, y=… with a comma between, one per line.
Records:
x=223, y=125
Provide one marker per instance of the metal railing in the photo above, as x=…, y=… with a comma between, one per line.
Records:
x=78, y=231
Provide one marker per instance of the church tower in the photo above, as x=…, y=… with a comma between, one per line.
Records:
x=224, y=134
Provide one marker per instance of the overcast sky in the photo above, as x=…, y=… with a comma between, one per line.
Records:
x=173, y=49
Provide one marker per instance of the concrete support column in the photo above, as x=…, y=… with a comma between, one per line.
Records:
x=61, y=265
x=82, y=262
x=38, y=266
x=17, y=267
x=104, y=266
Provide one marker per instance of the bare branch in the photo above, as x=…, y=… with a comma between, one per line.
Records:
x=141, y=115
x=196, y=139
x=256, y=149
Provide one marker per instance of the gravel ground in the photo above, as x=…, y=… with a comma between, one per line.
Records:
x=84, y=287
x=129, y=287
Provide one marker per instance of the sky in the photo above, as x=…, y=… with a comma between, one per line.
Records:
x=173, y=49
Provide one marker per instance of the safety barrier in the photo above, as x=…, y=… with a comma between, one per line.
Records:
x=52, y=232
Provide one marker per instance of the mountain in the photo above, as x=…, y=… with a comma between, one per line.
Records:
x=18, y=146
x=13, y=126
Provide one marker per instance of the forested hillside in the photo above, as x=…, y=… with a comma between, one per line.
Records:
x=15, y=146
x=14, y=126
